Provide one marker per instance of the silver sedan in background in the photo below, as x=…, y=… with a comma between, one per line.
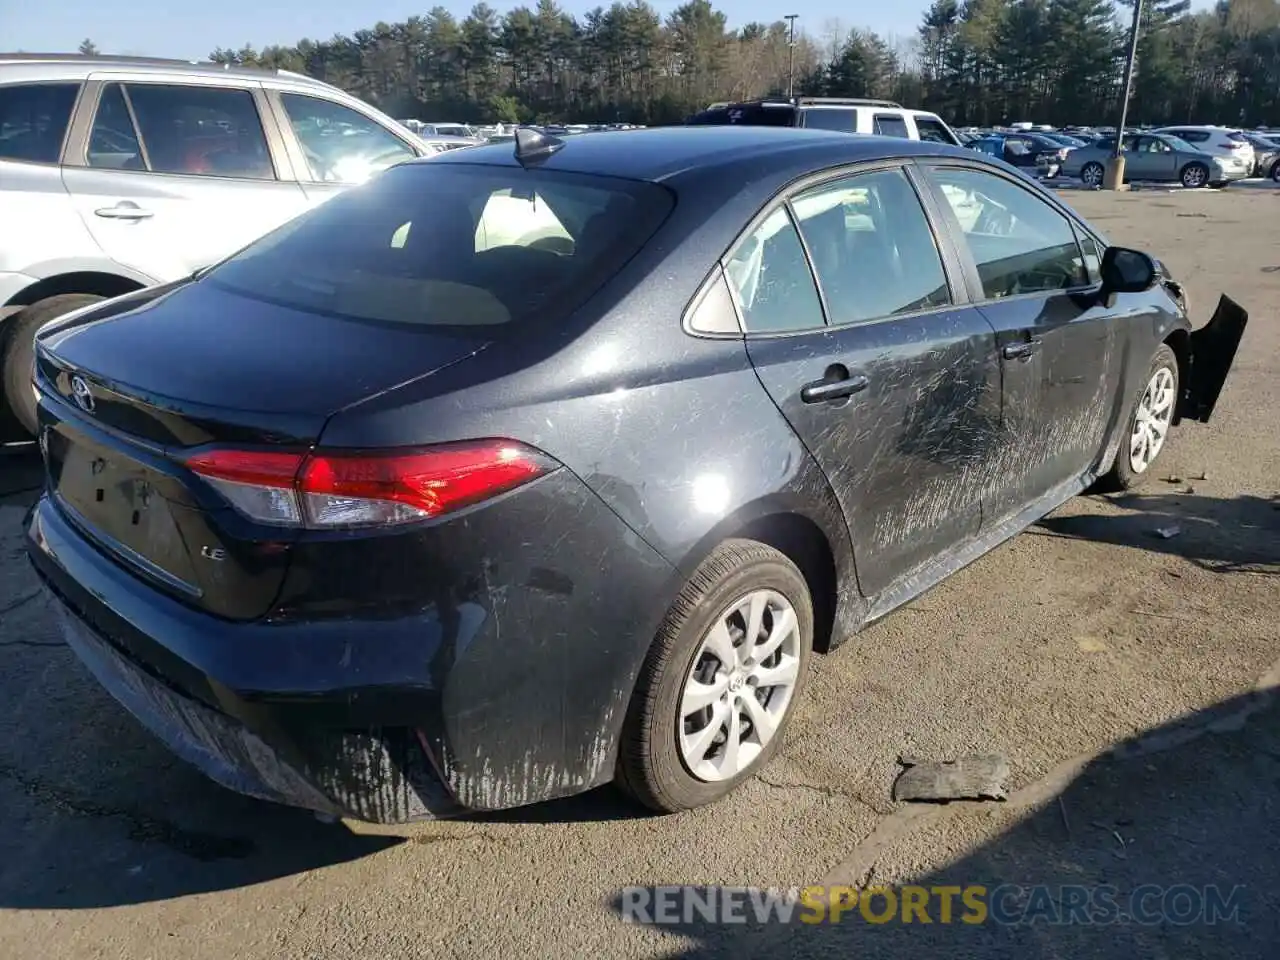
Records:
x=1151, y=156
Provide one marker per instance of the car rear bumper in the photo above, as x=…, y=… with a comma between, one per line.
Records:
x=385, y=720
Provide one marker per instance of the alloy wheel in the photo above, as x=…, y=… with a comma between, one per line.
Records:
x=739, y=687
x=1194, y=177
x=1091, y=175
x=1152, y=420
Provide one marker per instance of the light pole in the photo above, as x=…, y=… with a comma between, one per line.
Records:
x=1114, y=179
x=791, y=54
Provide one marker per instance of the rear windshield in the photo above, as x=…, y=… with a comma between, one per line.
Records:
x=442, y=244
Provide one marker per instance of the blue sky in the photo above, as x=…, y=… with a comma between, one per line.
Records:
x=162, y=28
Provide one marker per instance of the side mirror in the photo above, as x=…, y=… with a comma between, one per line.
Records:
x=1127, y=271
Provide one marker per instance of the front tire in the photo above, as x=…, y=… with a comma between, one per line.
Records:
x=19, y=352
x=1148, y=425
x=721, y=681
x=1275, y=172
x=1091, y=174
x=1194, y=175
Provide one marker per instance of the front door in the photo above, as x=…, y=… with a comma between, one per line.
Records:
x=891, y=384
x=178, y=176
x=1150, y=158
x=1060, y=350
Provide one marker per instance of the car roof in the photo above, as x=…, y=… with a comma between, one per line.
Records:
x=666, y=154
x=75, y=66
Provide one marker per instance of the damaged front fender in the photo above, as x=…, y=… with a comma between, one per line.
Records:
x=1212, y=350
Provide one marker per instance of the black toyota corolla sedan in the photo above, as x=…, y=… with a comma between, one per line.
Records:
x=525, y=469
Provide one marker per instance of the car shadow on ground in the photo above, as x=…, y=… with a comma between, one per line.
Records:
x=1235, y=535
x=1161, y=833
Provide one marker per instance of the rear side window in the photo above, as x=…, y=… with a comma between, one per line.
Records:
x=440, y=244
x=34, y=119
x=933, y=130
x=113, y=140
x=872, y=248
x=830, y=118
x=200, y=131
x=1192, y=136
x=890, y=125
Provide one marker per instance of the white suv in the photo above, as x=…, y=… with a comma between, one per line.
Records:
x=118, y=173
x=1228, y=143
x=848, y=115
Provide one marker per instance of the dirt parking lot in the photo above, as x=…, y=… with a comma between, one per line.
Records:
x=1085, y=632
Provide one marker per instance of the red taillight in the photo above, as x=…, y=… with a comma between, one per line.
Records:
x=329, y=489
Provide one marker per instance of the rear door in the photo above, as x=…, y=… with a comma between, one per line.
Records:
x=170, y=177
x=1061, y=349
x=878, y=365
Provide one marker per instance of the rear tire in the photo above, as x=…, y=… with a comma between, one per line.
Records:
x=1194, y=175
x=1132, y=467
x=1274, y=174
x=19, y=350
x=659, y=751
x=1091, y=174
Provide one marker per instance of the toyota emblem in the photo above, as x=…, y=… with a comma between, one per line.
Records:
x=82, y=395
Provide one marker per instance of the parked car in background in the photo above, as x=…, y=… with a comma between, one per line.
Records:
x=1065, y=139
x=440, y=143
x=1153, y=156
x=843, y=114
x=118, y=173
x=447, y=130
x=1032, y=152
x=1266, y=155
x=1228, y=143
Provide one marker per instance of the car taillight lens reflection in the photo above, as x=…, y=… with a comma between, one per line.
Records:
x=328, y=490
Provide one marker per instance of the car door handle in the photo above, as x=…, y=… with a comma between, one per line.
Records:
x=124, y=210
x=821, y=391
x=1021, y=351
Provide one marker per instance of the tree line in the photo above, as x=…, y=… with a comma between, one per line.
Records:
x=972, y=61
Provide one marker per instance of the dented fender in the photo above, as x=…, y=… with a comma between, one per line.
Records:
x=1212, y=351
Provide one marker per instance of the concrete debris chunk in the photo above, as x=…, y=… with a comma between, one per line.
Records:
x=965, y=778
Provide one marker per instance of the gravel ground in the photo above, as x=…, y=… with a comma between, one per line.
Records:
x=1083, y=633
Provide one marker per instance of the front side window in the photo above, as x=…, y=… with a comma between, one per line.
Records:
x=453, y=245
x=34, y=119
x=890, y=125
x=871, y=246
x=933, y=130
x=200, y=131
x=1019, y=242
x=341, y=145
x=770, y=275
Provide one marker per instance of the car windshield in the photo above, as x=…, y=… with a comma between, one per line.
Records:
x=442, y=244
